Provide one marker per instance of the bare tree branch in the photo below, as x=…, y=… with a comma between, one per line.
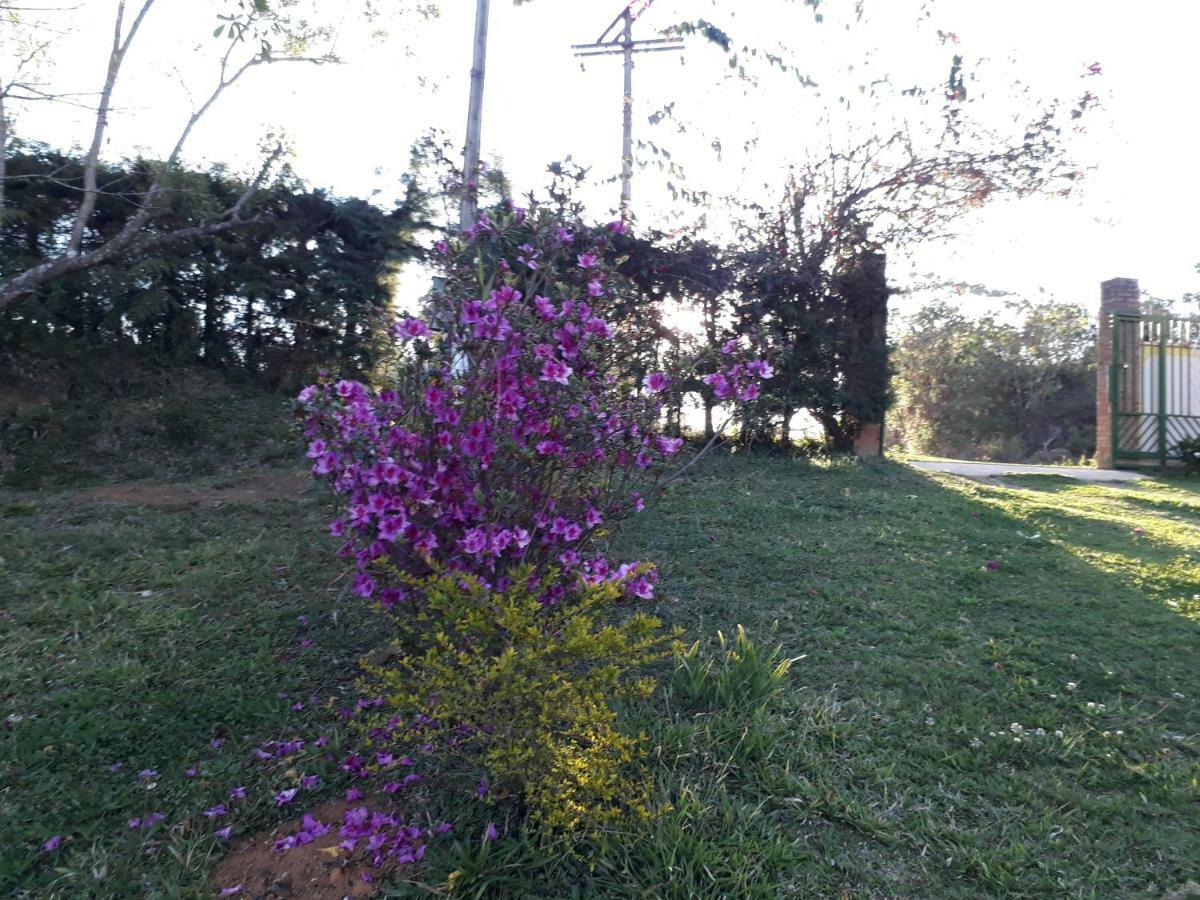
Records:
x=116, y=57
x=131, y=238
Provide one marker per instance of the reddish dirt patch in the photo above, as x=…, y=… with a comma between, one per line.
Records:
x=314, y=871
x=252, y=489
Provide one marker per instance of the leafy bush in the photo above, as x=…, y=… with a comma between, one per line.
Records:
x=526, y=690
x=503, y=438
x=1189, y=451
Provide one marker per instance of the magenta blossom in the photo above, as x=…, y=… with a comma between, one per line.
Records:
x=656, y=382
x=412, y=328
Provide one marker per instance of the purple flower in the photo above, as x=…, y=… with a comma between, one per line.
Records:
x=283, y=798
x=224, y=833
x=482, y=788
x=116, y=767
x=555, y=370
x=153, y=819
x=656, y=382
x=192, y=772
x=411, y=328
x=147, y=774
x=216, y=743
x=237, y=793
x=587, y=260
x=490, y=833
x=52, y=844
x=231, y=890
x=310, y=782
x=214, y=812
x=135, y=822
x=992, y=564
x=353, y=794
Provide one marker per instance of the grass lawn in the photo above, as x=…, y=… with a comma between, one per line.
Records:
x=951, y=730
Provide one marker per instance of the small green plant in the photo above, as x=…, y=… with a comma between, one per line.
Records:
x=742, y=675
x=1189, y=451
x=503, y=681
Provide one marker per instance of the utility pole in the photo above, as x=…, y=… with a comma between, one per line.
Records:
x=469, y=210
x=623, y=43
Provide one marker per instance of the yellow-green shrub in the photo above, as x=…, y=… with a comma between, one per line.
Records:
x=526, y=690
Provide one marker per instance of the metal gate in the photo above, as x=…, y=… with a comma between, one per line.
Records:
x=1155, y=385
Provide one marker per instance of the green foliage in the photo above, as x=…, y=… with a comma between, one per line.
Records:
x=303, y=285
x=1189, y=451
x=533, y=685
x=73, y=417
x=823, y=309
x=1015, y=386
x=741, y=676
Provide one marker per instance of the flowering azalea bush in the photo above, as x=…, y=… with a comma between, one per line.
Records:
x=476, y=477
x=501, y=437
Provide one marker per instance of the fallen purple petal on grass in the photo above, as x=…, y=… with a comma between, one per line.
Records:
x=116, y=767
x=52, y=844
x=147, y=774
x=216, y=743
x=230, y=891
x=285, y=797
x=191, y=773
x=297, y=706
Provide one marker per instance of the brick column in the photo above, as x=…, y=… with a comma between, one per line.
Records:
x=869, y=440
x=1117, y=295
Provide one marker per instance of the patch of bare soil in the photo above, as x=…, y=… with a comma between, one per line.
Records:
x=252, y=489
x=314, y=871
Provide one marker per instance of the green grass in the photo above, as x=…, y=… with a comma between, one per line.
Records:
x=886, y=765
x=137, y=636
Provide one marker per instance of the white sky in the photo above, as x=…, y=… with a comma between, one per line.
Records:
x=352, y=125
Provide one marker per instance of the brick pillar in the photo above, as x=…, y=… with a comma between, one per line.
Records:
x=1117, y=295
x=869, y=440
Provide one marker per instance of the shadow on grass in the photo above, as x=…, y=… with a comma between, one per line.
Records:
x=1024, y=728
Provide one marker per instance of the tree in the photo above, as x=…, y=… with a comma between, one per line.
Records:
x=305, y=286
x=1012, y=386
x=256, y=34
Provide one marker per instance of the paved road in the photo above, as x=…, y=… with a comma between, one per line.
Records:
x=999, y=470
